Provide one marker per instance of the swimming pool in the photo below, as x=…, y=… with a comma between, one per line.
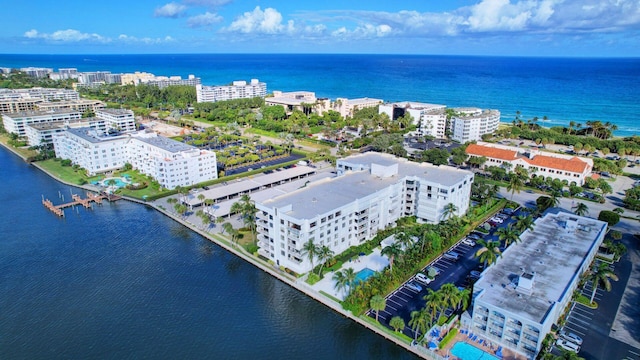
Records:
x=465, y=351
x=363, y=275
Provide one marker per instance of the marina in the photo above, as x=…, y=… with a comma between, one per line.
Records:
x=78, y=201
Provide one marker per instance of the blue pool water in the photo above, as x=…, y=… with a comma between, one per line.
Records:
x=363, y=275
x=465, y=351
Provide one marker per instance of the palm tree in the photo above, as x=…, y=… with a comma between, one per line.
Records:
x=489, y=252
x=247, y=210
x=450, y=295
x=377, y=303
x=419, y=322
x=448, y=211
x=392, y=252
x=325, y=254
x=404, y=240
x=515, y=184
x=310, y=250
x=435, y=301
x=172, y=201
x=601, y=276
x=523, y=223
x=508, y=235
x=227, y=227
x=464, y=297
x=350, y=276
x=581, y=209
x=341, y=281
x=397, y=323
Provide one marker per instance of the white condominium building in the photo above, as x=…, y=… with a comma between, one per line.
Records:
x=37, y=72
x=16, y=122
x=538, y=163
x=346, y=107
x=46, y=94
x=305, y=101
x=170, y=162
x=81, y=105
x=469, y=124
x=430, y=119
x=518, y=299
x=38, y=134
x=237, y=90
x=119, y=119
x=371, y=192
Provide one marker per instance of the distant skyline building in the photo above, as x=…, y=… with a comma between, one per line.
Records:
x=517, y=300
x=371, y=192
x=237, y=90
x=162, y=82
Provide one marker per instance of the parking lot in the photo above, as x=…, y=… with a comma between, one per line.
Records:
x=407, y=299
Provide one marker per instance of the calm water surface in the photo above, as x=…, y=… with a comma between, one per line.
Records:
x=124, y=282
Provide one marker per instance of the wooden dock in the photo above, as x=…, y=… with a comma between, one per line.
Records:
x=77, y=200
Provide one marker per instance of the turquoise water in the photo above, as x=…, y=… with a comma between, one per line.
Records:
x=363, y=275
x=465, y=351
x=118, y=182
x=563, y=89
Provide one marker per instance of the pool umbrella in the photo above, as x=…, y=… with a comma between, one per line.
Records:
x=432, y=345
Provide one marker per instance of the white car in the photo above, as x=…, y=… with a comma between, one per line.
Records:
x=452, y=255
x=424, y=279
x=568, y=345
x=571, y=337
x=468, y=241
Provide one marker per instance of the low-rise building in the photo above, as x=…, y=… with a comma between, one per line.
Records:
x=469, y=124
x=538, y=163
x=82, y=105
x=305, y=101
x=42, y=133
x=518, y=299
x=347, y=107
x=371, y=192
x=237, y=90
x=429, y=119
x=119, y=119
x=170, y=162
x=16, y=122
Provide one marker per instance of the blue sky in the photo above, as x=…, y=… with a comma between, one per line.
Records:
x=475, y=27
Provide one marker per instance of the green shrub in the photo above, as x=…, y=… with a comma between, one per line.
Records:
x=450, y=335
x=313, y=278
x=610, y=217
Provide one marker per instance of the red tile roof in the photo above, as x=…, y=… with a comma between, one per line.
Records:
x=491, y=152
x=550, y=162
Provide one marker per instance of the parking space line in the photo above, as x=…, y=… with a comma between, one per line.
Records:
x=582, y=313
x=574, y=323
x=395, y=302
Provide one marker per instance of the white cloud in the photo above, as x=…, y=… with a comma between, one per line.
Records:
x=204, y=20
x=268, y=21
x=170, y=10
x=144, y=40
x=68, y=35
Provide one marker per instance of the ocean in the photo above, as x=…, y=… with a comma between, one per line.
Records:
x=123, y=281
x=562, y=89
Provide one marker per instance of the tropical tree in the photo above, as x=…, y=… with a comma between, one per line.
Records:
x=397, y=323
x=247, y=210
x=581, y=209
x=508, y=235
x=489, y=252
x=523, y=223
x=448, y=211
x=172, y=201
x=341, y=281
x=515, y=183
x=419, y=322
x=435, y=302
x=350, y=275
x=377, y=303
x=463, y=299
x=310, y=250
x=567, y=355
x=392, y=251
x=450, y=295
x=325, y=254
x=228, y=227
x=600, y=276
x=404, y=239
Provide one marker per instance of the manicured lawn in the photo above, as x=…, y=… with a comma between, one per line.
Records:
x=65, y=173
x=21, y=150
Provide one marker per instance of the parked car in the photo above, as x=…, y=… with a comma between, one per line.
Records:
x=414, y=286
x=475, y=236
x=568, y=345
x=571, y=337
x=468, y=241
x=475, y=273
x=422, y=278
x=452, y=255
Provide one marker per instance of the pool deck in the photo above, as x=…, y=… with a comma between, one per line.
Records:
x=506, y=353
x=373, y=261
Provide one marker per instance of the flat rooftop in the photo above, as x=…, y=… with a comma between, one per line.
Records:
x=550, y=256
x=93, y=136
x=166, y=144
x=42, y=113
x=325, y=195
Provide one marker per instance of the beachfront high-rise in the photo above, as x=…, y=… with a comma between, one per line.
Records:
x=170, y=162
x=429, y=119
x=371, y=192
x=469, y=124
x=237, y=90
x=518, y=299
